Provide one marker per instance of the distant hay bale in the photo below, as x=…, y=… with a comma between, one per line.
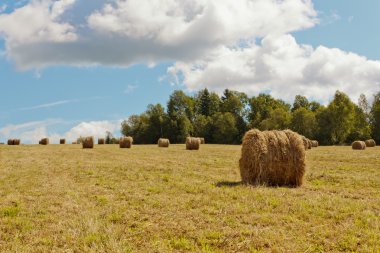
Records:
x=358, y=145
x=314, y=144
x=193, y=143
x=101, y=141
x=44, y=141
x=62, y=141
x=306, y=142
x=74, y=143
x=202, y=140
x=10, y=142
x=370, y=143
x=273, y=158
x=126, y=142
x=163, y=143
x=16, y=142
x=88, y=142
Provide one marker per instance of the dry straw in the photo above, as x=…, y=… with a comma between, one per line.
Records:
x=44, y=141
x=273, y=158
x=358, y=145
x=126, y=142
x=370, y=143
x=62, y=141
x=101, y=141
x=163, y=143
x=193, y=143
x=88, y=142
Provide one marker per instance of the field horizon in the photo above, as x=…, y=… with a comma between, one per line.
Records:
x=62, y=198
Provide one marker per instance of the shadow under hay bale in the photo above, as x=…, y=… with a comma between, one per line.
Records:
x=370, y=143
x=192, y=143
x=101, y=141
x=228, y=184
x=62, y=141
x=126, y=142
x=274, y=158
x=88, y=142
x=44, y=141
x=358, y=145
x=163, y=143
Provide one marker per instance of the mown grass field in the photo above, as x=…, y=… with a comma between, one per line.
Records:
x=64, y=199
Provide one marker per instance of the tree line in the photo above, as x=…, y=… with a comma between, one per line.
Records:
x=224, y=119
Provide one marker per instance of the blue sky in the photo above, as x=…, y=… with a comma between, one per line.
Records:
x=50, y=89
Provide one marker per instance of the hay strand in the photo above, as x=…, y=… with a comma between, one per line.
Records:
x=272, y=158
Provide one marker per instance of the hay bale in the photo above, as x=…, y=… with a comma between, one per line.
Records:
x=202, y=140
x=306, y=142
x=44, y=141
x=10, y=142
x=314, y=144
x=62, y=141
x=193, y=143
x=101, y=141
x=16, y=142
x=74, y=143
x=273, y=158
x=125, y=142
x=370, y=143
x=87, y=142
x=163, y=143
x=358, y=145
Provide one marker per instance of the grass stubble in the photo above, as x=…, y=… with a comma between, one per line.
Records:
x=60, y=198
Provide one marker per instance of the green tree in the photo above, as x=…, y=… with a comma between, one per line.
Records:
x=375, y=118
x=300, y=102
x=361, y=129
x=279, y=119
x=304, y=122
x=201, y=127
x=223, y=128
x=136, y=126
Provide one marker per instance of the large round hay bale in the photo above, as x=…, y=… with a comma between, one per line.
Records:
x=10, y=142
x=62, y=141
x=88, y=142
x=101, y=141
x=125, y=142
x=44, y=141
x=192, y=143
x=16, y=142
x=163, y=143
x=370, y=143
x=358, y=145
x=273, y=158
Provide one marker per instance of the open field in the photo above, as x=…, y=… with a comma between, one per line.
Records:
x=60, y=198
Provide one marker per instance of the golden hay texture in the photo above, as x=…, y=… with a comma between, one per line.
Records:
x=88, y=142
x=163, y=143
x=370, y=143
x=193, y=143
x=202, y=140
x=101, y=141
x=126, y=142
x=44, y=141
x=62, y=141
x=272, y=158
x=358, y=145
x=314, y=143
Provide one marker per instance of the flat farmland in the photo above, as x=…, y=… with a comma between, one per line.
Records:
x=61, y=198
